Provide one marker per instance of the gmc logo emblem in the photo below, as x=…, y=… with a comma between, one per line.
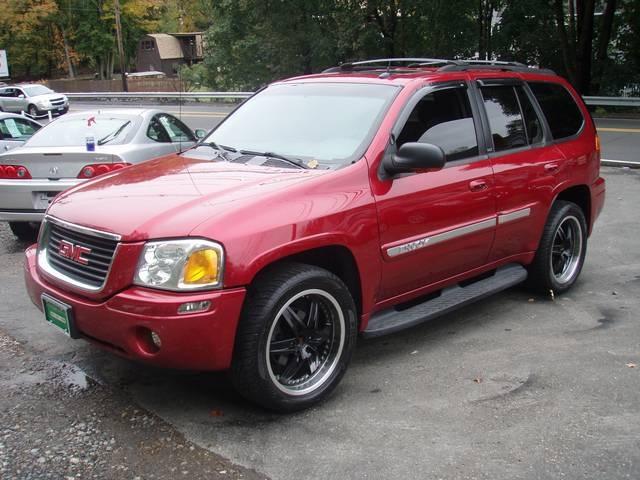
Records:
x=73, y=252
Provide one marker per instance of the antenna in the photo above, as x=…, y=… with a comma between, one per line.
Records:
x=180, y=86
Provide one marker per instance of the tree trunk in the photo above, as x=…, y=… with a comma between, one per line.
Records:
x=67, y=57
x=603, y=43
x=584, y=58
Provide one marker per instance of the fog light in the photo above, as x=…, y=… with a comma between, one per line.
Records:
x=155, y=338
x=194, y=307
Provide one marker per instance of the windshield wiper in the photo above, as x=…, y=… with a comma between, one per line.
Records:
x=292, y=160
x=113, y=135
x=221, y=149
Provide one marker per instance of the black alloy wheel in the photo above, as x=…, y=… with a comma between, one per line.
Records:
x=296, y=335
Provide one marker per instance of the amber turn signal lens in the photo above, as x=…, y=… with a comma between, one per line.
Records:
x=202, y=267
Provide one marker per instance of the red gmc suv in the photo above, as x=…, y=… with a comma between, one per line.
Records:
x=363, y=200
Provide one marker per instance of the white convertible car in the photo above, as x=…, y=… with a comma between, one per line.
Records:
x=77, y=147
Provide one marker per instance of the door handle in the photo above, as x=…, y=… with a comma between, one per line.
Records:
x=551, y=168
x=478, y=185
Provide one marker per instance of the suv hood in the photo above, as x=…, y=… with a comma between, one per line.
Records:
x=46, y=96
x=171, y=196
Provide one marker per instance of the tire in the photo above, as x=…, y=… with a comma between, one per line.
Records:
x=25, y=231
x=562, y=249
x=315, y=343
x=32, y=111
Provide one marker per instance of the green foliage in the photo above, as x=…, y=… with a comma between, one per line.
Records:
x=253, y=42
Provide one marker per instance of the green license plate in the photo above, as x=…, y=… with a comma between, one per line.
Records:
x=57, y=314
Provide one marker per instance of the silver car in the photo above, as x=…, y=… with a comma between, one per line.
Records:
x=15, y=130
x=34, y=99
x=77, y=147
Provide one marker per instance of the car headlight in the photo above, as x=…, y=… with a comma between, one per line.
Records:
x=189, y=264
x=44, y=103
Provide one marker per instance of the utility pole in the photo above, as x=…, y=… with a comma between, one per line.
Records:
x=116, y=4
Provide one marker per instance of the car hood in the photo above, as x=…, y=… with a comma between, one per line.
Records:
x=46, y=96
x=171, y=196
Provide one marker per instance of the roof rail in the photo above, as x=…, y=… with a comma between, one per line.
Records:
x=494, y=65
x=446, y=65
x=388, y=63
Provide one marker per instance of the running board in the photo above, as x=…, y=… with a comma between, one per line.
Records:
x=451, y=298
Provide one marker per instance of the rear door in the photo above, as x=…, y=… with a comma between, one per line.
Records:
x=524, y=161
x=436, y=225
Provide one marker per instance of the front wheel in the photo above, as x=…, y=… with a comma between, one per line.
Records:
x=295, y=338
x=33, y=111
x=563, y=246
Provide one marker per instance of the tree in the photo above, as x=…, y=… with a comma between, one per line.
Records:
x=576, y=27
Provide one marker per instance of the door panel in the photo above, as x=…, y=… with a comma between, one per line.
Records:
x=433, y=226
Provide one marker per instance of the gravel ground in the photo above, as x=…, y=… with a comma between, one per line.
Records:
x=56, y=423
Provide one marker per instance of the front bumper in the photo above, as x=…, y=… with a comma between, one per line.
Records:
x=21, y=200
x=197, y=341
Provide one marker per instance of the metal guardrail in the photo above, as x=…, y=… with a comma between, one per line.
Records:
x=613, y=101
x=174, y=95
x=589, y=100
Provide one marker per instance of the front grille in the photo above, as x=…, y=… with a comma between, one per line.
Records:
x=58, y=102
x=99, y=258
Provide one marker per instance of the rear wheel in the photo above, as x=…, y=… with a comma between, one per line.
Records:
x=25, y=231
x=295, y=338
x=560, y=255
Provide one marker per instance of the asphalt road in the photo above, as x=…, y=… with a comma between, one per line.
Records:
x=516, y=386
x=620, y=137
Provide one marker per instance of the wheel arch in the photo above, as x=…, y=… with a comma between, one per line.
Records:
x=581, y=196
x=337, y=259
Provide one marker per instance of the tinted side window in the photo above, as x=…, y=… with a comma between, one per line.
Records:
x=157, y=132
x=178, y=131
x=559, y=107
x=505, y=118
x=443, y=118
x=532, y=123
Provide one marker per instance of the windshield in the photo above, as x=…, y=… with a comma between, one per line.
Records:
x=331, y=123
x=71, y=132
x=36, y=90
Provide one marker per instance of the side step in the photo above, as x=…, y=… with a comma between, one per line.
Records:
x=451, y=298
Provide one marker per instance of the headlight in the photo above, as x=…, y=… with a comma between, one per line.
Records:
x=190, y=264
x=44, y=103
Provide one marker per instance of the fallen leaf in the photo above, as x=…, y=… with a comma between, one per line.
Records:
x=414, y=352
x=631, y=365
x=477, y=380
x=216, y=413
x=531, y=300
x=553, y=297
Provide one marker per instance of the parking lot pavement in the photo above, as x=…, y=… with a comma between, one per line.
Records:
x=516, y=386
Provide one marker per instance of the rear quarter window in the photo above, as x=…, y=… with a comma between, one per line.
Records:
x=563, y=115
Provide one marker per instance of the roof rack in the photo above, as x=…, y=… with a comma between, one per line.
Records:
x=388, y=63
x=494, y=65
x=410, y=64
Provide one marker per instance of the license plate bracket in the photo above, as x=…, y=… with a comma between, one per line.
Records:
x=60, y=315
x=41, y=200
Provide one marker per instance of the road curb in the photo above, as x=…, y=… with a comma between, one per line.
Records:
x=619, y=163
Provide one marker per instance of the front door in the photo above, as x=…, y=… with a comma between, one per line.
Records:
x=436, y=225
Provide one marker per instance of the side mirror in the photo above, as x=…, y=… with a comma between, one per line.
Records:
x=200, y=133
x=21, y=95
x=414, y=157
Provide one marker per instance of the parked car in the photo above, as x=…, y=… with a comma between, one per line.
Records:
x=34, y=99
x=15, y=130
x=60, y=156
x=367, y=199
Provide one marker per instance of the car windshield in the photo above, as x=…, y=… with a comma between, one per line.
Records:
x=73, y=131
x=36, y=90
x=332, y=123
